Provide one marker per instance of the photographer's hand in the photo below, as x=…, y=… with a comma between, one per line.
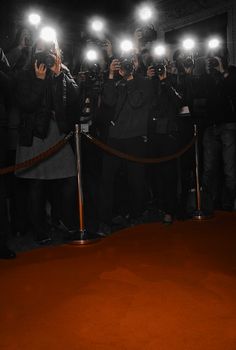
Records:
x=108, y=47
x=40, y=71
x=163, y=76
x=151, y=72
x=56, y=68
x=114, y=67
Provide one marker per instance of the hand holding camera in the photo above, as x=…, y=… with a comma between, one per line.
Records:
x=56, y=68
x=114, y=67
x=40, y=71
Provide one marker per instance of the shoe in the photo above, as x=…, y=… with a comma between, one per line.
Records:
x=167, y=219
x=6, y=253
x=104, y=230
x=43, y=238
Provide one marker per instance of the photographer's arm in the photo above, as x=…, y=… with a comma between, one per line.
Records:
x=109, y=93
x=30, y=89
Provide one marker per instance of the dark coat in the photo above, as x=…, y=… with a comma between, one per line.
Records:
x=5, y=86
x=38, y=98
x=166, y=105
x=131, y=102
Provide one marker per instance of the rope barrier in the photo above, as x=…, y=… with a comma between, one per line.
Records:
x=122, y=155
x=33, y=161
x=55, y=148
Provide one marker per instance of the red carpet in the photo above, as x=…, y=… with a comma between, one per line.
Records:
x=150, y=287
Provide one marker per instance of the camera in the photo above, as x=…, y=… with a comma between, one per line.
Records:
x=45, y=57
x=127, y=65
x=212, y=63
x=188, y=62
x=93, y=72
x=160, y=68
x=149, y=34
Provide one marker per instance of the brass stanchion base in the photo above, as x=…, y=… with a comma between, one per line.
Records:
x=200, y=215
x=85, y=238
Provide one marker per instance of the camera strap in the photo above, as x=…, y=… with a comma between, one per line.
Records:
x=116, y=117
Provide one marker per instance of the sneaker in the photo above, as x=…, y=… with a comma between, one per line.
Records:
x=167, y=219
x=104, y=230
x=6, y=253
x=43, y=238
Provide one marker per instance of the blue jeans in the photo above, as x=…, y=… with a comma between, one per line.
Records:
x=219, y=146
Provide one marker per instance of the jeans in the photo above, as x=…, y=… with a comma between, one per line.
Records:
x=219, y=145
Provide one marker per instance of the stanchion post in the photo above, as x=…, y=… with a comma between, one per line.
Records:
x=198, y=214
x=83, y=236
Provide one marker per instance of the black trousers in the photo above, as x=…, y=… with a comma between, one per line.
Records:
x=165, y=174
x=219, y=147
x=4, y=224
x=134, y=179
x=62, y=195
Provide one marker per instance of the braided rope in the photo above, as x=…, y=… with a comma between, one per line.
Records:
x=122, y=155
x=42, y=156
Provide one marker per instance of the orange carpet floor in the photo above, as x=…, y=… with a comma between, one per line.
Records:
x=150, y=287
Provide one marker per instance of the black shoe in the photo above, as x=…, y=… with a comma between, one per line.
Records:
x=167, y=219
x=6, y=253
x=43, y=238
x=104, y=230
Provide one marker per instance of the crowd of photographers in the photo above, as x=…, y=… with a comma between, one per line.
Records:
x=136, y=104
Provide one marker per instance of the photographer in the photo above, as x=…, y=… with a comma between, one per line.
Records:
x=219, y=140
x=5, y=88
x=164, y=139
x=187, y=84
x=48, y=100
x=130, y=99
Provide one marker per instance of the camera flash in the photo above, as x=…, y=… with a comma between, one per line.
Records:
x=91, y=55
x=188, y=44
x=126, y=45
x=214, y=43
x=48, y=34
x=97, y=25
x=145, y=13
x=34, y=19
x=159, y=50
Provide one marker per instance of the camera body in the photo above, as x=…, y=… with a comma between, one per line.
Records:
x=159, y=67
x=212, y=63
x=126, y=63
x=46, y=57
x=188, y=62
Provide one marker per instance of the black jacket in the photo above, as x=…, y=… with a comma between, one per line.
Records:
x=131, y=101
x=166, y=105
x=38, y=98
x=5, y=87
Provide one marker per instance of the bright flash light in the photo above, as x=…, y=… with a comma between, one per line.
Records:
x=159, y=50
x=188, y=44
x=34, y=19
x=145, y=13
x=126, y=45
x=48, y=34
x=97, y=25
x=91, y=55
x=214, y=43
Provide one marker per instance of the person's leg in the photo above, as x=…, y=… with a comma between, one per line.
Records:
x=65, y=200
x=228, y=138
x=110, y=166
x=211, y=160
x=37, y=209
x=136, y=172
x=167, y=175
x=5, y=252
